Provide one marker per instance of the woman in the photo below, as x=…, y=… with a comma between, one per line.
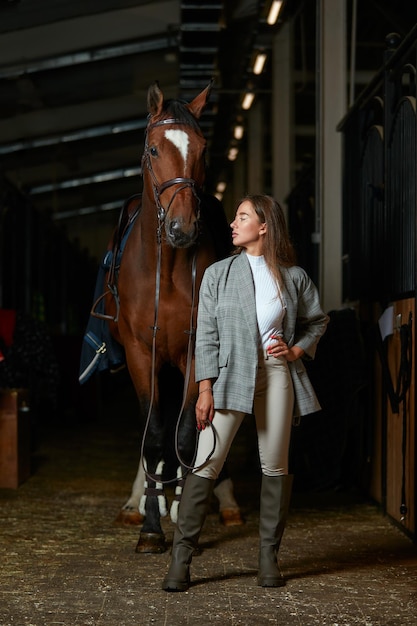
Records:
x=258, y=316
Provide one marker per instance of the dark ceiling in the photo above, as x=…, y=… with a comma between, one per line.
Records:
x=74, y=77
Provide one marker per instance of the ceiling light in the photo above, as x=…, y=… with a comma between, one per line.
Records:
x=233, y=152
x=274, y=12
x=258, y=66
x=238, y=132
x=247, y=100
x=221, y=186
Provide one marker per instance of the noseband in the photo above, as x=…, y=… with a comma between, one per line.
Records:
x=159, y=188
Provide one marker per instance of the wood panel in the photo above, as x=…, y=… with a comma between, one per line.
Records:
x=14, y=437
x=394, y=438
x=375, y=483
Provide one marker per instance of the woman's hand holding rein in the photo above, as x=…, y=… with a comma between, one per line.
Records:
x=204, y=409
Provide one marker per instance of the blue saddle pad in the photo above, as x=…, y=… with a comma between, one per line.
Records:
x=99, y=350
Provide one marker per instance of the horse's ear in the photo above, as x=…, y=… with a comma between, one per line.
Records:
x=197, y=106
x=155, y=99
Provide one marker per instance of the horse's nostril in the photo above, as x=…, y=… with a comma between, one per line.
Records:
x=175, y=226
x=177, y=236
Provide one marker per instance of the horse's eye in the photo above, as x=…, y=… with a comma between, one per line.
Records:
x=153, y=151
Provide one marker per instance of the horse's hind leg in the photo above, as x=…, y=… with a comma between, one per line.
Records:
x=129, y=514
x=228, y=507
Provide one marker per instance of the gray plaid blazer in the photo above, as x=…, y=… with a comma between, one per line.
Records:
x=227, y=342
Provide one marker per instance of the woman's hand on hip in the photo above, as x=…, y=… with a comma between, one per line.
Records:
x=279, y=349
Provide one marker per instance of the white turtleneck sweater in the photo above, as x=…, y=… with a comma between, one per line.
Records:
x=270, y=308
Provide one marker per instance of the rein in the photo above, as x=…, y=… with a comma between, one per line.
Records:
x=191, y=336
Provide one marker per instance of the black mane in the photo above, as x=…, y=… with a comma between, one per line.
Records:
x=179, y=110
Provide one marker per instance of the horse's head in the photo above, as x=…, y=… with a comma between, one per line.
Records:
x=173, y=163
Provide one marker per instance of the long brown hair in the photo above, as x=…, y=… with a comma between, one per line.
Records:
x=278, y=249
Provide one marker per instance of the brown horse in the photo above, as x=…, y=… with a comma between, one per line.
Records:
x=169, y=246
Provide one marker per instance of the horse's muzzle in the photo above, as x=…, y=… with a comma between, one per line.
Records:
x=177, y=237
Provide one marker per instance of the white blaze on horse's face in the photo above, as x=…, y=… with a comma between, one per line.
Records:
x=180, y=140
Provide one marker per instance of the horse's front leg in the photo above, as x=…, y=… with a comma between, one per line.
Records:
x=185, y=447
x=153, y=503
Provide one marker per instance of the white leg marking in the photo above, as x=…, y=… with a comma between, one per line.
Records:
x=161, y=499
x=142, y=502
x=175, y=503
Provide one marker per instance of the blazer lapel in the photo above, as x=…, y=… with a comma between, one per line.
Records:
x=290, y=296
x=246, y=294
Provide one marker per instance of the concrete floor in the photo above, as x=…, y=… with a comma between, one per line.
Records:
x=64, y=561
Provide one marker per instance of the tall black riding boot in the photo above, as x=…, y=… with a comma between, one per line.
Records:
x=275, y=502
x=195, y=500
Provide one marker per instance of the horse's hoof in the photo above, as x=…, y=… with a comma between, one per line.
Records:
x=231, y=517
x=151, y=543
x=130, y=517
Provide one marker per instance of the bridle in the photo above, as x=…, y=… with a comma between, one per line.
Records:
x=159, y=188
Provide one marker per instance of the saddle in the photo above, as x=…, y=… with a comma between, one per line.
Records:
x=100, y=351
x=113, y=256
